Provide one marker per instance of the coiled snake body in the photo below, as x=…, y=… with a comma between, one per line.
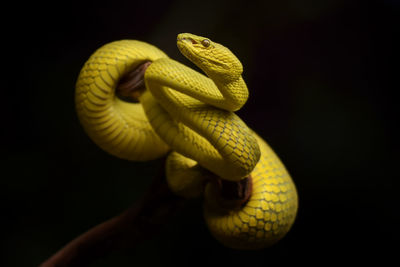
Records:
x=192, y=115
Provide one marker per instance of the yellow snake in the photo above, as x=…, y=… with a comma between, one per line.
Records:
x=191, y=114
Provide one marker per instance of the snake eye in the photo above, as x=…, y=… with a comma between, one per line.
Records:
x=206, y=43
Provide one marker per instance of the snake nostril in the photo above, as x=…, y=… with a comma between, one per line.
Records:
x=187, y=39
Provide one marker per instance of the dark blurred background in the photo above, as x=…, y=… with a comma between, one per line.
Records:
x=322, y=77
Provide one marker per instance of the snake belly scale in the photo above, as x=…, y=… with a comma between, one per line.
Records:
x=190, y=116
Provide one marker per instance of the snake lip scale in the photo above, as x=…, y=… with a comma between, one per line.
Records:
x=189, y=116
x=185, y=39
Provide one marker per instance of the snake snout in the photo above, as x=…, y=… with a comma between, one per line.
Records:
x=185, y=37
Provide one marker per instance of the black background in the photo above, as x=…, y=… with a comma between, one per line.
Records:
x=322, y=77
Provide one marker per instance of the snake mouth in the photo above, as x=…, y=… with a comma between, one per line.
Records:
x=131, y=86
x=187, y=39
x=186, y=44
x=184, y=37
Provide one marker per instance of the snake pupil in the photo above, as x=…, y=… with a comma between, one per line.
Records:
x=206, y=43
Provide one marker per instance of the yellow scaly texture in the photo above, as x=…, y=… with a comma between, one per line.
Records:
x=118, y=127
x=266, y=217
x=192, y=114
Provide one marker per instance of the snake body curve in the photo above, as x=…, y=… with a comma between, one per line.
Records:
x=192, y=114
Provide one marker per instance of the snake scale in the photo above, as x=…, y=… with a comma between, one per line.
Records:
x=190, y=116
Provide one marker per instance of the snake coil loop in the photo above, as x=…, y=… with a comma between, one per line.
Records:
x=192, y=114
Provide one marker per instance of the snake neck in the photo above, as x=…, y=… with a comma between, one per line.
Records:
x=235, y=93
x=192, y=114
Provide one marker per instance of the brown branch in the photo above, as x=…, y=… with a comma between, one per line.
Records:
x=131, y=85
x=137, y=223
x=233, y=195
x=147, y=215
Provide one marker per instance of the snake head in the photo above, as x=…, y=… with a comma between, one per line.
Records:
x=217, y=61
